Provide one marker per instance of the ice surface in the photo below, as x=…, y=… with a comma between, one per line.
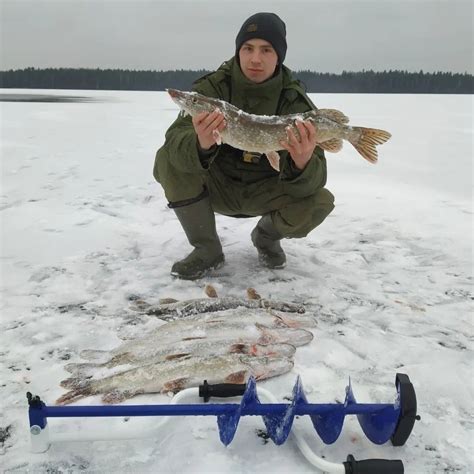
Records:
x=389, y=276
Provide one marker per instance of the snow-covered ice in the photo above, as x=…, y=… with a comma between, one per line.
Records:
x=84, y=227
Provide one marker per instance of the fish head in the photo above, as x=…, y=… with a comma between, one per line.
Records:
x=193, y=103
x=265, y=367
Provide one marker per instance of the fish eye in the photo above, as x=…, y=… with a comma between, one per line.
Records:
x=194, y=100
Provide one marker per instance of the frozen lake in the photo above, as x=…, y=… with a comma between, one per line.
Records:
x=388, y=276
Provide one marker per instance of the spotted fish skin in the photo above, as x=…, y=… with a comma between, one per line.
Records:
x=181, y=349
x=173, y=376
x=264, y=134
x=252, y=328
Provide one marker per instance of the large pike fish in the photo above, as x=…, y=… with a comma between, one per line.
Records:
x=173, y=376
x=290, y=314
x=263, y=134
x=196, y=347
x=169, y=336
x=183, y=309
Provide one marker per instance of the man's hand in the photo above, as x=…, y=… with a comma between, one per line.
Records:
x=301, y=150
x=204, y=124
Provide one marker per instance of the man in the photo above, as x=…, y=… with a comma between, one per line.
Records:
x=200, y=177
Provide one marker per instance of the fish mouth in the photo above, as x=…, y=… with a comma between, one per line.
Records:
x=173, y=93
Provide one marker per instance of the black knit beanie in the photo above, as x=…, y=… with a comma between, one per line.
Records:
x=266, y=26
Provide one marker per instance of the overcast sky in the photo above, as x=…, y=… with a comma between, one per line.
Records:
x=325, y=36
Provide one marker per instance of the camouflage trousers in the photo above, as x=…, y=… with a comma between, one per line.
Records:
x=293, y=217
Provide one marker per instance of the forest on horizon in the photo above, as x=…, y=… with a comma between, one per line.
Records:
x=386, y=82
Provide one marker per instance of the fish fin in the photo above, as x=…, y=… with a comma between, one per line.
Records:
x=217, y=136
x=280, y=322
x=274, y=159
x=287, y=323
x=262, y=327
x=193, y=338
x=82, y=368
x=332, y=146
x=256, y=350
x=240, y=348
x=367, y=140
x=166, y=301
x=265, y=337
x=120, y=359
x=259, y=350
x=296, y=322
x=174, y=385
x=117, y=396
x=237, y=377
x=89, y=354
x=75, y=382
x=333, y=114
x=210, y=291
x=80, y=389
x=252, y=294
x=86, y=367
x=72, y=396
x=139, y=305
x=176, y=356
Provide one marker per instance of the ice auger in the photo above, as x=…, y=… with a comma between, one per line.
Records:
x=379, y=422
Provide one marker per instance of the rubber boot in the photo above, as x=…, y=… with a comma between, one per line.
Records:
x=199, y=224
x=267, y=241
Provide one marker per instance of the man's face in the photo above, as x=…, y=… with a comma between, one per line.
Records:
x=258, y=60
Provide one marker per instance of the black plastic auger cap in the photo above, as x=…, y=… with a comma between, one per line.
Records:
x=408, y=407
x=34, y=400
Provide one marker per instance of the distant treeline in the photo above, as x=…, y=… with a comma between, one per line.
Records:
x=386, y=82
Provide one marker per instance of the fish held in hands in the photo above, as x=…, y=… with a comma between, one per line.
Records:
x=264, y=134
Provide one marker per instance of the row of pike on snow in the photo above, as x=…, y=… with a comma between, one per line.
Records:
x=246, y=337
x=221, y=340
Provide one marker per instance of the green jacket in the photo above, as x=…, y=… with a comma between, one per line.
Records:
x=280, y=95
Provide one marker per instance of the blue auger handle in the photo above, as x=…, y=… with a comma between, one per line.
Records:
x=380, y=422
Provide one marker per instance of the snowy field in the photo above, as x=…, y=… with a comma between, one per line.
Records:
x=388, y=276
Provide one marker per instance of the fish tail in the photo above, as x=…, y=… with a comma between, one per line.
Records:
x=177, y=356
x=80, y=389
x=83, y=368
x=75, y=382
x=90, y=354
x=72, y=396
x=366, y=141
x=87, y=368
x=175, y=385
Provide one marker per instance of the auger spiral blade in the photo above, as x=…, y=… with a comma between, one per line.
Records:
x=379, y=423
